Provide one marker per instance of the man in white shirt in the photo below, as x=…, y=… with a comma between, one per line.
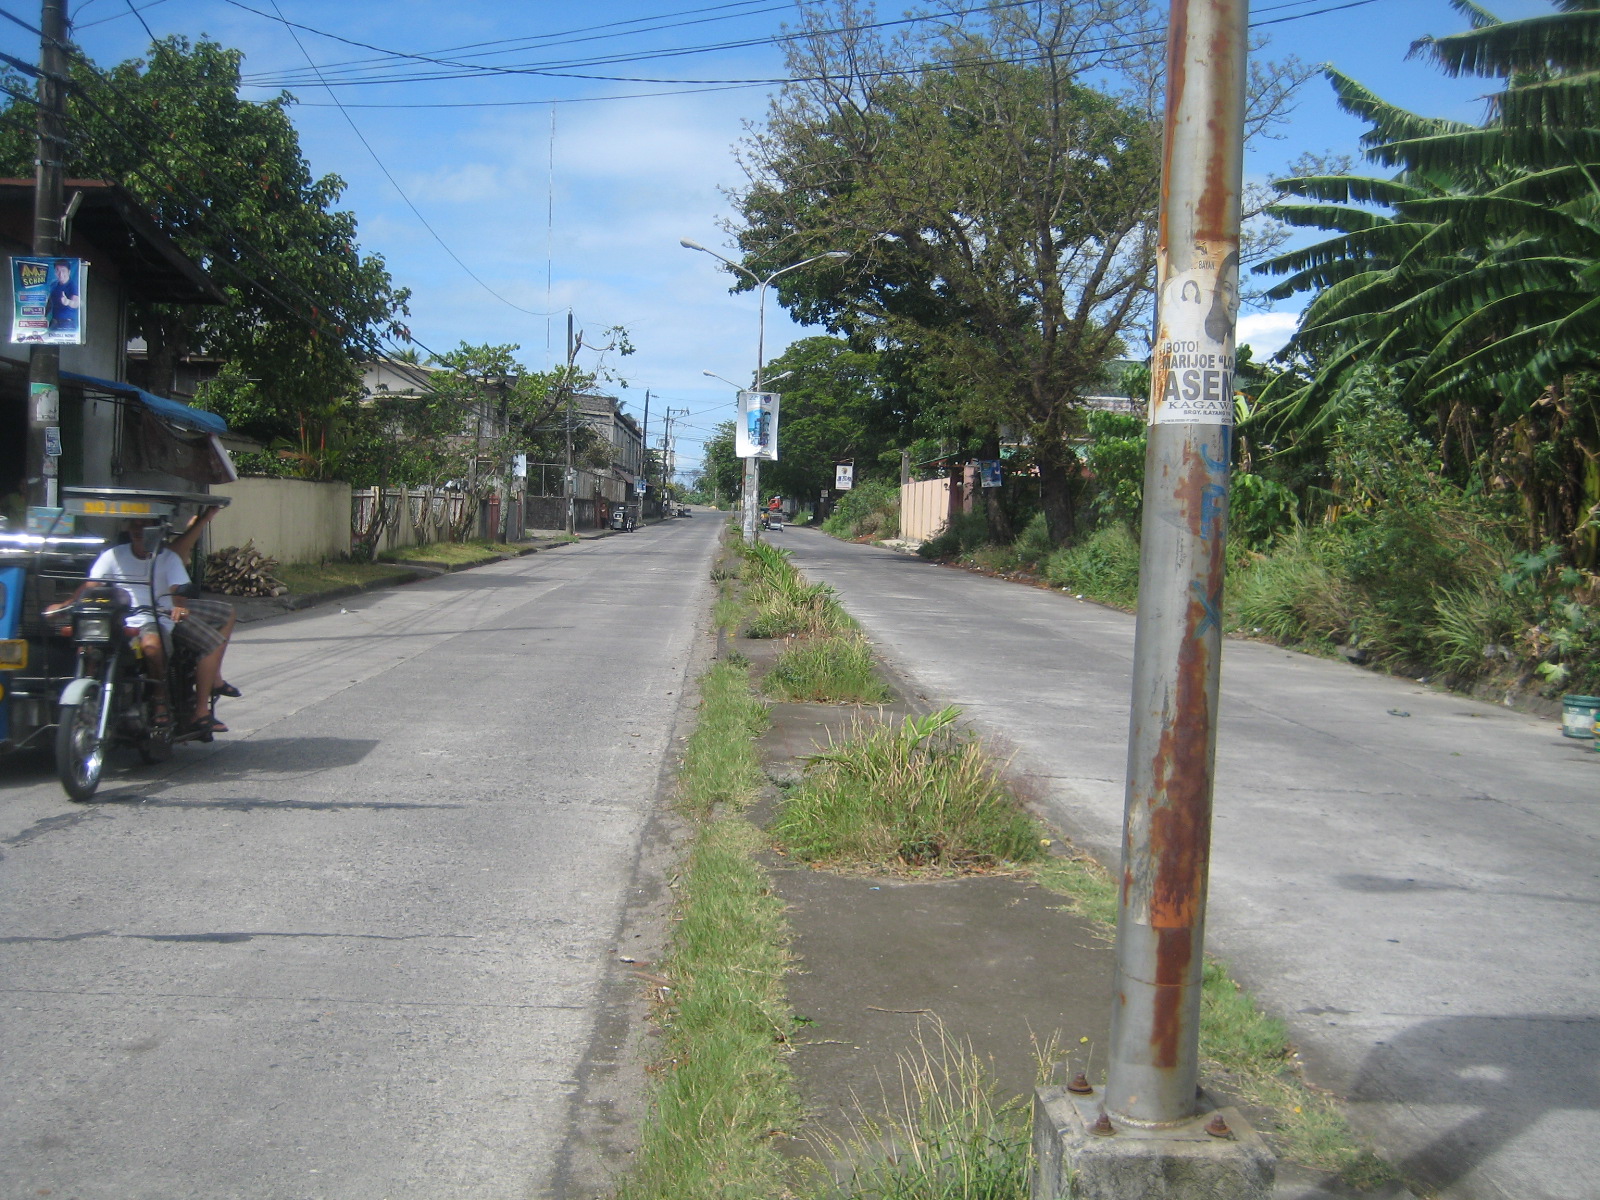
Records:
x=150, y=586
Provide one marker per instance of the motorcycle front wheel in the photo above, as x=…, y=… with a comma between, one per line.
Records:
x=80, y=754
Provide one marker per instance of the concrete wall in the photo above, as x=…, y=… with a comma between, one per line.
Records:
x=293, y=520
x=924, y=509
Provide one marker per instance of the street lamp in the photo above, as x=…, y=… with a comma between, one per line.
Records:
x=752, y=466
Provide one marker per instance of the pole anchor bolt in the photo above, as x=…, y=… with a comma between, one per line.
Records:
x=1217, y=1127
x=1103, y=1127
x=1080, y=1085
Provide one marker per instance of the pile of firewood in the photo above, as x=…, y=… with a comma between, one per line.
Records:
x=242, y=571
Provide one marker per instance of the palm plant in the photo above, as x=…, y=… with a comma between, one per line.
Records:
x=1479, y=287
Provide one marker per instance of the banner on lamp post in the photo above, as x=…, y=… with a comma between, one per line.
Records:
x=755, y=433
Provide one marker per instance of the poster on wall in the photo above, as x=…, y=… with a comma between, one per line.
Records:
x=47, y=300
x=755, y=433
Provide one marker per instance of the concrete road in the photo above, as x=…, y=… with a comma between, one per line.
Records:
x=1410, y=878
x=365, y=946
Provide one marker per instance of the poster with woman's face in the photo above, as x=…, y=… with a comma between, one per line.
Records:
x=47, y=300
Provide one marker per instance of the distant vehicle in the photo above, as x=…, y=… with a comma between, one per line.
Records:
x=683, y=511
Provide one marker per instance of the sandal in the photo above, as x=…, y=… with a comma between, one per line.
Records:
x=226, y=689
x=206, y=725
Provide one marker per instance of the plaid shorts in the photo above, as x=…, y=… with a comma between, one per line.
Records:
x=201, y=630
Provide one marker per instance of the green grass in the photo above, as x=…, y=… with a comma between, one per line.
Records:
x=782, y=602
x=1104, y=567
x=720, y=764
x=722, y=1086
x=833, y=670
x=308, y=579
x=452, y=553
x=923, y=795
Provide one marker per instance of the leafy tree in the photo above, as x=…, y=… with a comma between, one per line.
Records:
x=1471, y=271
x=997, y=205
x=834, y=407
x=721, y=471
x=994, y=176
x=225, y=178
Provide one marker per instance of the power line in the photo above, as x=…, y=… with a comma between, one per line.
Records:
x=710, y=85
x=354, y=128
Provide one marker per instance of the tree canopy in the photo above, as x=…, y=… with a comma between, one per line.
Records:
x=226, y=179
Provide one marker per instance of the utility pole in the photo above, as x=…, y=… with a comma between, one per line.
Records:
x=1154, y=1048
x=644, y=455
x=572, y=354
x=1149, y=1131
x=44, y=362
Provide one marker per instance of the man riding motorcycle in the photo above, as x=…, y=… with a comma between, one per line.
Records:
x=150, y=578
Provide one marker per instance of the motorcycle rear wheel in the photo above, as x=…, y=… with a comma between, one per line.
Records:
x=80, y=754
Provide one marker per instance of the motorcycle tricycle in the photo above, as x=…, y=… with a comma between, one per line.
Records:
x=71, y=677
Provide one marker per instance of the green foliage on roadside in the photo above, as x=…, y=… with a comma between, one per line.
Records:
x=782, y=602
x=922, y=795
x=957, y=1140
x=722, y=1084
x=871, y=509
x=1103, y=567
x=720, y=765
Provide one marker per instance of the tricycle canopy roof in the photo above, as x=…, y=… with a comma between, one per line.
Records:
x=134, y=502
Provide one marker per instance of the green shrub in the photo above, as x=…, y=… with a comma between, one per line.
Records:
x=1104, y=566
x=965, y=532
x=870, y=509
x=1033, y=544
x=1296, y=593
x=1115, y=454
x=1259, y=509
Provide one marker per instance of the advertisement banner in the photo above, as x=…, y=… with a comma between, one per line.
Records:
x=989, y=471
x=755, y=433
x=844, y=476
x=47, y=300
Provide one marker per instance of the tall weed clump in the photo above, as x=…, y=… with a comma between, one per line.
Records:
x=871, y=509
x=1104, y=565
x=783, y=601
x=950, y=1136
x=1407, y=534
x=918, y=796
x=832, y=670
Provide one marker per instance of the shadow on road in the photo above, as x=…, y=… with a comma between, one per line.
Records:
x=1513, y=1071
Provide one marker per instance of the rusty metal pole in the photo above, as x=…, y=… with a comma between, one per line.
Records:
x=1154, y=1053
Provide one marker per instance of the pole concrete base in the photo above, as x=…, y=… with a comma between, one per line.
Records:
x=1184, y=1163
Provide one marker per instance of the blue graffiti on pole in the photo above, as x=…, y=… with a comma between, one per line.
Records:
x=1213, y=608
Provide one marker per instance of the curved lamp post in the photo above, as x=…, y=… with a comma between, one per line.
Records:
x=752, y=466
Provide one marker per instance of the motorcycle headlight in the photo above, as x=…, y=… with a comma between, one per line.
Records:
x=93, y=629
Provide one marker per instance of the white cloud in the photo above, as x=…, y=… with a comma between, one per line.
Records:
x=1267, y=333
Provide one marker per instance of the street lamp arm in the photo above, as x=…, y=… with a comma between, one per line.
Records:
x=806, y=262
x=688, y=245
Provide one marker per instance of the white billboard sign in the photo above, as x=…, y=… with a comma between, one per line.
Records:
x=755, y=433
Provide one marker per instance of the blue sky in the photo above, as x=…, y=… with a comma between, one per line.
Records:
x=633, y=172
